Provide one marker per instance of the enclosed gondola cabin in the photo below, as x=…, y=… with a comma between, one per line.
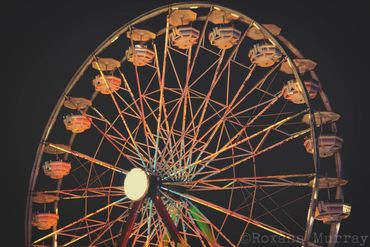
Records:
x=224, y=37
x=184, y=37
x=327, y=145
x=264, y=55
x=293, y=92
x=332, y=211
x=45, y=221
x=140, y=55
x=56, y=169
x=77, y=123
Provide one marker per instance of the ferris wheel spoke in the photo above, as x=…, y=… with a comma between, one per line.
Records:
x=140, y=235
x=104, y=133
x=76, y=238
x=181, y=134
x=229, y=110
x=83, y=193
x=149, y=222
x=119, y=110
x=86, y=157
x=187, y=222
x=168, y=145
x=215, y=128
x=197, y=215
x=92, y=169
x=277, y=207
x=112, y=140
x=170, y=150
x=281, y=207
x=107, y=227
x=266, y=90
x=123, y=143
x=214, y=64
x=203, y=143
x=238, y=216
x=131, y=137
x=271, y=212
x=91, y=180
x=294, y=180
x=203, y=105
x=186, y=97
x=227, y=167
x=216, y=77
x=191, y=64
x=182, y=101
x=246, y=203
x=133, y=159
x=173, y=66
x=226, y=110
x=230, y=145
x=185, y=156
x=163, y=135
x=241, y=114
x=191, y=125
x=258, y=86
x=147, y=130
x=162, y=103
x=129, y=106
x=111, y=240
x=72, y=224
x=143, y=122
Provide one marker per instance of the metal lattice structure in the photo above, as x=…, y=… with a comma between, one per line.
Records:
x=226, y=117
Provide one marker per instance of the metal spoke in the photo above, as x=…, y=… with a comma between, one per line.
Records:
x=239, y=216
x=80, y=220
x=86, y=157
x=246, y=182
x=230, y=145
x=88, y=192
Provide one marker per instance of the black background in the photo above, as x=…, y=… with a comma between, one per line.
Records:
x=44, y=42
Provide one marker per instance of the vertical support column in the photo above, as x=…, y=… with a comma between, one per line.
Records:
x=130, y=222
x=171, y=227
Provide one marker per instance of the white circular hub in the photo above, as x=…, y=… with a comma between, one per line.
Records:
x=136, y=184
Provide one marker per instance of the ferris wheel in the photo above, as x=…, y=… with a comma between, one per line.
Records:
x=191, y=125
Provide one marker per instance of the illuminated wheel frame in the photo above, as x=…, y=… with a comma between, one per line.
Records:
x=200, y=133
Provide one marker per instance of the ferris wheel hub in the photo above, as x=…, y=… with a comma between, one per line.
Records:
x=136, y=184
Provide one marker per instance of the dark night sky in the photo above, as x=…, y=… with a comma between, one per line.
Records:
x=46, y=41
